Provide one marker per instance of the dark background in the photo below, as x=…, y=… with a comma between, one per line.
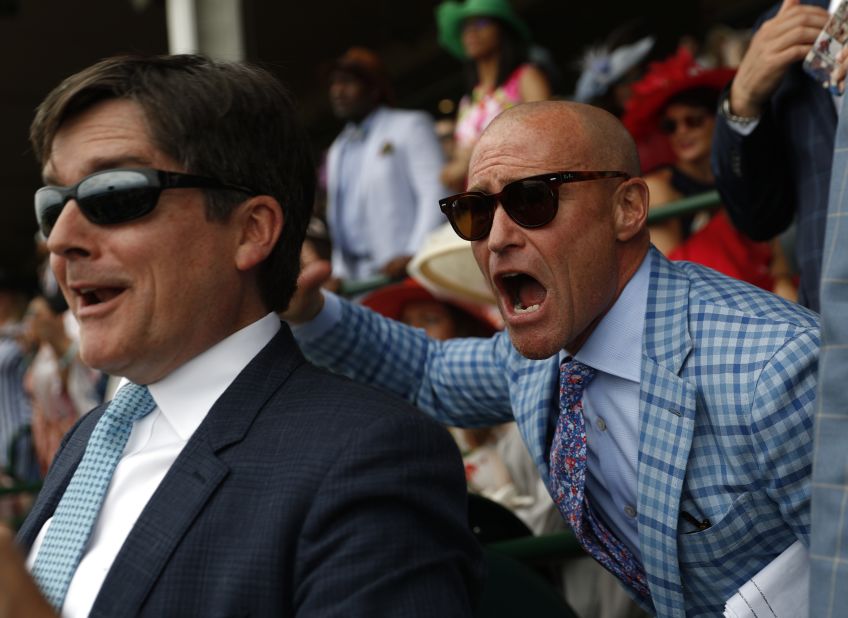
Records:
x=42, y=41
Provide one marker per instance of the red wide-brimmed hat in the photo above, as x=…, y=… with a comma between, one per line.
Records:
x=390, y=301
x=662, y=81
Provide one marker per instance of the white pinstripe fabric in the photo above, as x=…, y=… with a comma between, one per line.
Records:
x=728, y=384
x=829, y=540
x=79, y=507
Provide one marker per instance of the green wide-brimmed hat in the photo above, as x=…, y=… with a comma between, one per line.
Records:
x=450, y=16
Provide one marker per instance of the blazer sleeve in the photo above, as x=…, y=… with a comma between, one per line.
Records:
x=461, y=382
x=782, y=428
x=753, y=177
x=370, y=512
x=425, y=160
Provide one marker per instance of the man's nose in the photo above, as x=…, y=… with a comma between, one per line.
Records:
x=70, y=232
x=505, y=232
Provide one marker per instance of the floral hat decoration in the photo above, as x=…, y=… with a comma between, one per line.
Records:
x=664, y=80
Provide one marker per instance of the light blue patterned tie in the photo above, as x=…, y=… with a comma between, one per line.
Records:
x=568, y=479
x=73, y=520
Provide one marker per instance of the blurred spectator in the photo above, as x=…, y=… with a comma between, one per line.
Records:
x=493, y=42
x=774, y=139
x=608, y=71
x=679, y=97
x=607, y=74
x=723, y=47
x=382, y=173
x=15, y=412
x=60, y=386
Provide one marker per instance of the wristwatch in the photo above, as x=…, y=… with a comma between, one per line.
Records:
x=743, y=121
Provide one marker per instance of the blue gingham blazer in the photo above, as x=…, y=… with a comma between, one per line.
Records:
x=726, y=405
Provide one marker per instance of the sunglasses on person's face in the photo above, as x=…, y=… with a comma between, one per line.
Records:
x=530, y=202
x=476, y=23
x=118, y=195
x=693, y=121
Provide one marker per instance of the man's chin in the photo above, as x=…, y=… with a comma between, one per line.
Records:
x=534, y=347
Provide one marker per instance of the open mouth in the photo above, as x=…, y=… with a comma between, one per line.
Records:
x=525, y=294
x=95, y=296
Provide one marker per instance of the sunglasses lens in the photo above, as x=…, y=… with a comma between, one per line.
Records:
x=48, y=207
x=471, y=216
x=668, y=126
x=116, y=196
x=531, y=203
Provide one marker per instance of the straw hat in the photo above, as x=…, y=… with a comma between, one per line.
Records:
x=450, y=16
x=445, y=266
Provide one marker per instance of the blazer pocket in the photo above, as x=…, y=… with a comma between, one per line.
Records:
x=719, y=540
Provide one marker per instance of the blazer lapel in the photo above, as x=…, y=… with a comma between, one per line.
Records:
x=667, y=411
x=195, y=475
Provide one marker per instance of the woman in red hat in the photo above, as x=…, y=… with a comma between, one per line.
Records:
x=679, y=98
x=493, y=42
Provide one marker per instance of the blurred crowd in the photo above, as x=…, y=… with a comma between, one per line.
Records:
x=378, y=219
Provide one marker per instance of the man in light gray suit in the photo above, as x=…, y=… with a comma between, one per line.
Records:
x=382, y=173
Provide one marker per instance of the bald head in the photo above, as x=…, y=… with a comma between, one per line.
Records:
x=587, y=135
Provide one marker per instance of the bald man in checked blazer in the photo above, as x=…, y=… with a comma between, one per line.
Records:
x=698, y=420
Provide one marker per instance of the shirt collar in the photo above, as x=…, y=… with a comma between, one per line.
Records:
x=186, y=395
x=615, y=346
x=359, y=130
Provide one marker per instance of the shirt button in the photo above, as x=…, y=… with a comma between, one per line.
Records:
x=601, y=424
x=630, y=511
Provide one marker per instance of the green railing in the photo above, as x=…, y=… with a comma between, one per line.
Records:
x=542, y=549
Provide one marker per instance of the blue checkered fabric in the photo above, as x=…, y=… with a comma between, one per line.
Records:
x=726, y=413
x=70, y=528
x=829, y=543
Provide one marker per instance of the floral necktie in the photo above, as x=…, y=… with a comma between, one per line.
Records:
x=568, y=479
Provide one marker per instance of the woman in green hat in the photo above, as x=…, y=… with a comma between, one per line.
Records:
x=492, y=41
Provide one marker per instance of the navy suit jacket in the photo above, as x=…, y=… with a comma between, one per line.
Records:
x=300, y=494
x=781, y=170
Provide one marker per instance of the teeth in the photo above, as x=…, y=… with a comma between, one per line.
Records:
x=519, y=309
x=86, y=290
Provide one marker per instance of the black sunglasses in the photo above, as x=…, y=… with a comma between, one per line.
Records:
x=118, y=195
x=692, y=121
x=530, y=202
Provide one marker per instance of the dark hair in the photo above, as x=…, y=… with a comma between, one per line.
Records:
x=226, y=120
x=703, y=97
x=512, y=53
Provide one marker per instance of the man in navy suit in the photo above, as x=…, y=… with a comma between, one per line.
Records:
x=774, y=139
x=179, y=191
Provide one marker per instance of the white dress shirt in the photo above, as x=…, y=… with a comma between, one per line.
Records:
x=183, y=400
x=611, y=408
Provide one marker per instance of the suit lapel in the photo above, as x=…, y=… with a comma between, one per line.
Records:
x=195, y=475
x=61, y=471
x=667, y=411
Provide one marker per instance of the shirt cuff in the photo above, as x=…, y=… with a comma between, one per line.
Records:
x=320, y=325
x=742, y=129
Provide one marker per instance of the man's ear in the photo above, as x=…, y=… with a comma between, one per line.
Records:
x=631, y=208
x=260, y=220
